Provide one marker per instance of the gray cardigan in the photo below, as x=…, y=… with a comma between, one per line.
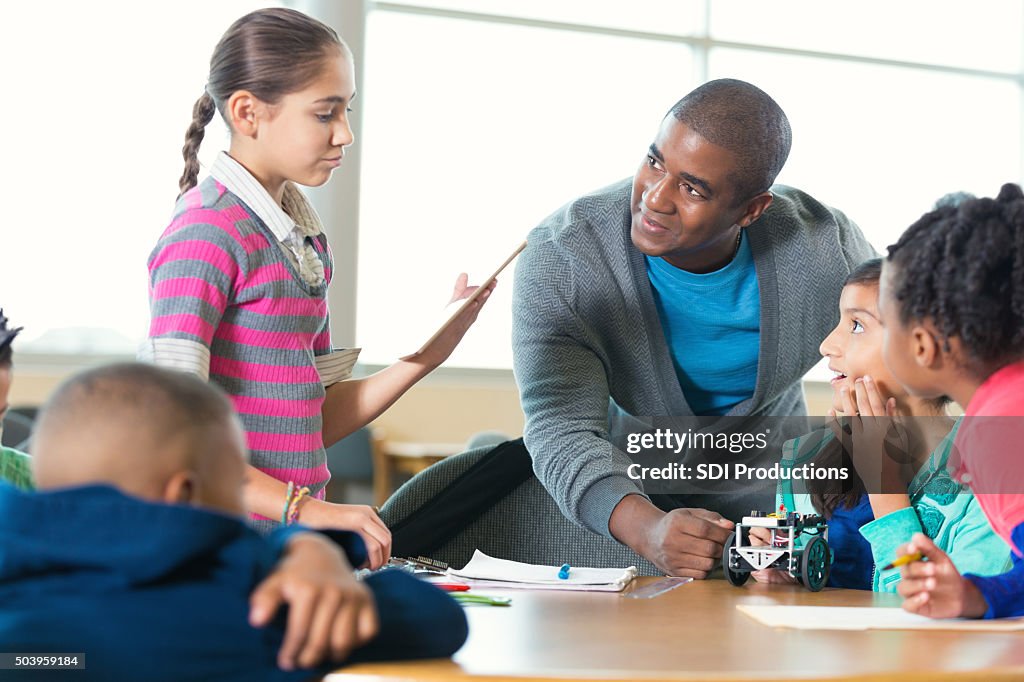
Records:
x=585, y=329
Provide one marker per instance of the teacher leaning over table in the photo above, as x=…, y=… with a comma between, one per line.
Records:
x=698, y=288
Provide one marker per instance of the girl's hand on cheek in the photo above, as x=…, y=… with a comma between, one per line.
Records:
x=871, y=435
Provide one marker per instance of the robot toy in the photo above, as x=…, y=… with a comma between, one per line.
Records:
x=810, y=564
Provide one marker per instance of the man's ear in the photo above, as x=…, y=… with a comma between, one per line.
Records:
x=181, y=488
x=242, y=109
x=755, y=207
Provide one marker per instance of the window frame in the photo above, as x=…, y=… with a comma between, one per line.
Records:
x=342, y=209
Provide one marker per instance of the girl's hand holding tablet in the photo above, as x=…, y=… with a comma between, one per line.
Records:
x=439, y=346
x=443, y=343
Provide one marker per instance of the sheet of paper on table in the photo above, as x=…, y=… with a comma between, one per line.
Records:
x=866, y=618
x=486, y=571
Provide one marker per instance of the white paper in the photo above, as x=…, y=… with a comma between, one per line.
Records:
x=483, y=570
x=866, y=618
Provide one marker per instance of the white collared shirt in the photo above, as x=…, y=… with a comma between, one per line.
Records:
x=291, y=222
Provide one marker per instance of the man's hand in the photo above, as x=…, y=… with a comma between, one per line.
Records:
x=329, y=611
x=354, y=517
x=689, y=542
x=683, y=542
x=934, y=588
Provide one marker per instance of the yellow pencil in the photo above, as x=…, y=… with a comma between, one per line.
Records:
x=903, y=560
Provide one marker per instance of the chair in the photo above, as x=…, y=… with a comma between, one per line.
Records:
x=526, y=525
x=350, y=462
x=18, y=424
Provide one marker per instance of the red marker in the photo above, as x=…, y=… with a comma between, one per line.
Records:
x=451, y=587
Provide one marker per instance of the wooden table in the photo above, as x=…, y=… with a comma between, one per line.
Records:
x=695, y=633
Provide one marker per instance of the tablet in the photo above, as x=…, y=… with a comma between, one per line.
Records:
x=472, y=297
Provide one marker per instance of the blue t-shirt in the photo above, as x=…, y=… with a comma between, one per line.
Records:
x=712, y=325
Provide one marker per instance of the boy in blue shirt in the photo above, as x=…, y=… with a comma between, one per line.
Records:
x=134, y=551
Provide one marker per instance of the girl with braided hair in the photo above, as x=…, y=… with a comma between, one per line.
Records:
x=952, y=306
x=238, y=281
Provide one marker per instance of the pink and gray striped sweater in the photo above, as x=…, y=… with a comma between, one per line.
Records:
x=219, y=281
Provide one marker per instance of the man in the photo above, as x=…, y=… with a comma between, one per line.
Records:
x=699, y=289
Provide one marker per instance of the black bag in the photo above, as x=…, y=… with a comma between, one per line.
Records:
x=463, y=501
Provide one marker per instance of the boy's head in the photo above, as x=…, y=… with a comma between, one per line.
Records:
x=952, y=293
x=154, y=433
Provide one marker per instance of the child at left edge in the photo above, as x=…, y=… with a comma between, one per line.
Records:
x=15, y=467
x=952, y=306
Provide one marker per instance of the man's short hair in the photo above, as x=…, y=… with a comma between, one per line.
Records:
x=743, y=119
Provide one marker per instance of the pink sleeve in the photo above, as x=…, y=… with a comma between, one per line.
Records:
x=193, y=274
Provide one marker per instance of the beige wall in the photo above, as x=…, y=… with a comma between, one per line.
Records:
x=440, y=409
x=444, y=408
x=451, y=410
x=31, y=387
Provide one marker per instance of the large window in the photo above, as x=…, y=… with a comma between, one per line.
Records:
x=97, y=97
x=483, y=116
x=473, y=132
x=480, y=117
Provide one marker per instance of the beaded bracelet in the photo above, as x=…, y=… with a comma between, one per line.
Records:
x=293, y=507
x=287, y=503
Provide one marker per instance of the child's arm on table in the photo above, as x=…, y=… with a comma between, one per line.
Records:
x=330, y=613
x=265, y=495
x=1004, y=593
x=934, y=588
